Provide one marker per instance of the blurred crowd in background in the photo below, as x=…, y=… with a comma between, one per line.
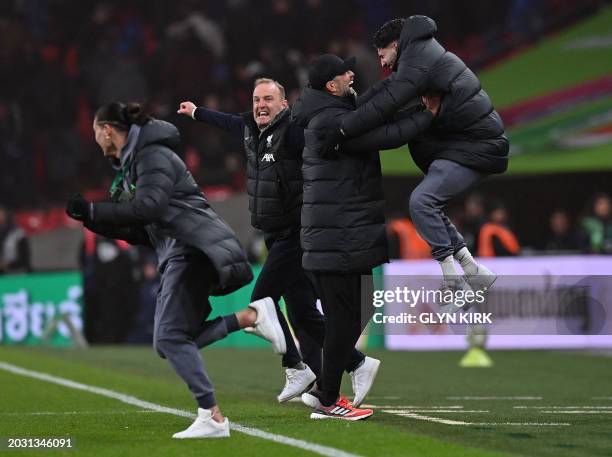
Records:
x=60, y=60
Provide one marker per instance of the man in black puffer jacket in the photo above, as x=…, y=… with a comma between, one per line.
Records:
x=156, y=202
x=464, y=144
x=343, y=222
x=273, y=146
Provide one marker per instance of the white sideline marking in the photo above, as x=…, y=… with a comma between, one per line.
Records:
x=412, y=406
x=76, y=413
x=386, y=397
x=434, y=411
x=130, y=400
x=494, y=398
x=602, y=398
x=562, y=407
x=525, y=424
x=454, y=422
x=428, y=418
x=577, y=411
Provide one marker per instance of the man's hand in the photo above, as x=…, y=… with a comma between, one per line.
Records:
x=432, y=102
x=79, y=209
x=187, y=108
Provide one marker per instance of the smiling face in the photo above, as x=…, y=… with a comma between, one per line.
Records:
x=268, y=101
x=388, y=55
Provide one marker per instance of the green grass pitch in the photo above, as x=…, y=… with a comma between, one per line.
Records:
x=426, y=405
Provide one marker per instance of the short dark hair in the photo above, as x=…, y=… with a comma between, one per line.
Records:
x=121, y=115
x=390, y=31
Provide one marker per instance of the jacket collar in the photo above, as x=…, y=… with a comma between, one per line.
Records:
x=250, y=122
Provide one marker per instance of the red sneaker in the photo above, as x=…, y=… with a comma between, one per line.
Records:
x=342, y=409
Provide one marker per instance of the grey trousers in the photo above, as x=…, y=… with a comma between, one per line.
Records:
x=181, y=327
x=444, y=181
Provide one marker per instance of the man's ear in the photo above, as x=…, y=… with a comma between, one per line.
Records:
x=285, y=104
x=395, y=45
x=330, y=86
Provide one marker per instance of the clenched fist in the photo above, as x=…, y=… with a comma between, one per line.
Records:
x=187, y=108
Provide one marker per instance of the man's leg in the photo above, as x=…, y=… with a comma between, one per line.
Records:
x=182, y=304
x=300, y=297
x=272, y=281
x=340, y=297
x=444, y=181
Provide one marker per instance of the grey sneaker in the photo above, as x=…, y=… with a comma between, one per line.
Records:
x=482, y=280
x=449, y=289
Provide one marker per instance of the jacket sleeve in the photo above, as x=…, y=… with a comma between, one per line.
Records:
x=155, y=181
x=133, y=235
x=403, y=85
x=231, y=123
x=372, y=91
x=389, y=136
x=295, y=136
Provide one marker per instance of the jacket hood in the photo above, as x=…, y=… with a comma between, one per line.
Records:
x=313, y=101
x=416, y=28
x=158, y=132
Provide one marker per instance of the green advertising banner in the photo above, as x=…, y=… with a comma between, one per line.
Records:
x=37, y=308
x=48, y=308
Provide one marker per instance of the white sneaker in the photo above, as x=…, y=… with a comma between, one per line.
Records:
x=362, y=379
x=310, y=400
x=205, y=427
x=297, y=382
x=483, y=279
x=267, y=325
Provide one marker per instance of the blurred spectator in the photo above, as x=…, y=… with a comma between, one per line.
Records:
x=14, y=246
x=562, y=236
x=54, y=62
x=405, y=242
x=596, y=226
x=474, y=217
x=495, y=238
x=110, y=288
x=142, y=330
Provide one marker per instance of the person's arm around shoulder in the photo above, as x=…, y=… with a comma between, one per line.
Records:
x=402, y=86
x=396, y=134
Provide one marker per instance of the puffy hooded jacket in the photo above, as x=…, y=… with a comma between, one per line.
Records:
x=343, y=221
x=168, y=202
x=467, y=129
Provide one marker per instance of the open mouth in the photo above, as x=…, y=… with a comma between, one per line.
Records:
x=263, y=113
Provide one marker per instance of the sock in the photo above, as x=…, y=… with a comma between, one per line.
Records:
x=231, y=322
x=467, y=262
x=299, y=366
x=359, y=364
x=448, y=266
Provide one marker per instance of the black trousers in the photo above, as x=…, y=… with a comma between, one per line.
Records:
x=282, y=275
x=341, y=297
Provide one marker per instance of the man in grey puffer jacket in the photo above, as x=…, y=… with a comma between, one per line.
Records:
x=156, y=202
